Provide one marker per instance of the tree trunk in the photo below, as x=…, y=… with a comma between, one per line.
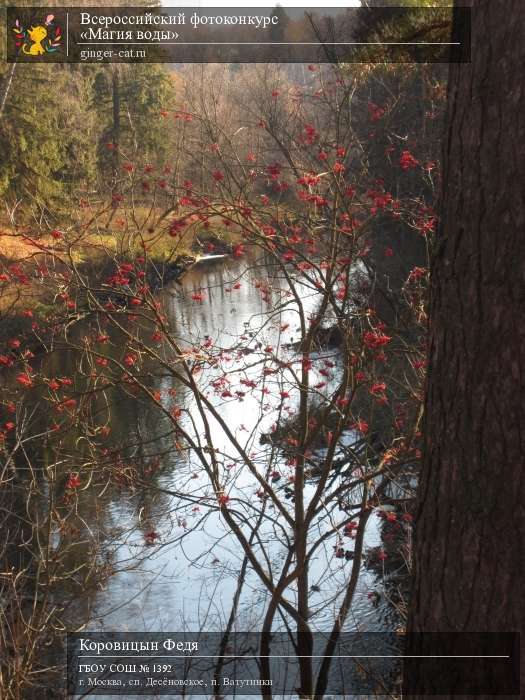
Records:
x=115, y=90
x=470, y=525
x=116, y=134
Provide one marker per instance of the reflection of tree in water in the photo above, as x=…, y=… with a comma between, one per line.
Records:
x=391, y=561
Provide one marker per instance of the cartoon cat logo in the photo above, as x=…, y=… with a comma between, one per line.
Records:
x=39, y=39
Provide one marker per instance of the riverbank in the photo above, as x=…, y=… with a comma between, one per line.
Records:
x=34, y=275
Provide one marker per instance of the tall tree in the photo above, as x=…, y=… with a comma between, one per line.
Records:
x=470, y=526
x=45, y=135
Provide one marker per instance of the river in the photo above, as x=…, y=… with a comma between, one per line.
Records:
x=186, y=579
x=174, y=564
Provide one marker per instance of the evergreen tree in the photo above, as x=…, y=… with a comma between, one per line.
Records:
x=45, y=134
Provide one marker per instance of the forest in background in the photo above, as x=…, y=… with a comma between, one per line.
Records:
x=114, y=179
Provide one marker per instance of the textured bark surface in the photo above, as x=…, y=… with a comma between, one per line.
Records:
x=470, y=526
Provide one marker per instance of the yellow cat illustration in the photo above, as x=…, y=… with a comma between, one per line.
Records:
x=37, y=36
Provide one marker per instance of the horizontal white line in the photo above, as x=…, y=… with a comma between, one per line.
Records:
x=271, y=43
x=292, y=656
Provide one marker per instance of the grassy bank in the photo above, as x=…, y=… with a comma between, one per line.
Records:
x=34, y=265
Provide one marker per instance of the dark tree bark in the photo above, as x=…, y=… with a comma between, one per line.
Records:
x=470, y=524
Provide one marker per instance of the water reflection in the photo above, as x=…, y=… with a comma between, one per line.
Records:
x=185, y=577
x=176, y=562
